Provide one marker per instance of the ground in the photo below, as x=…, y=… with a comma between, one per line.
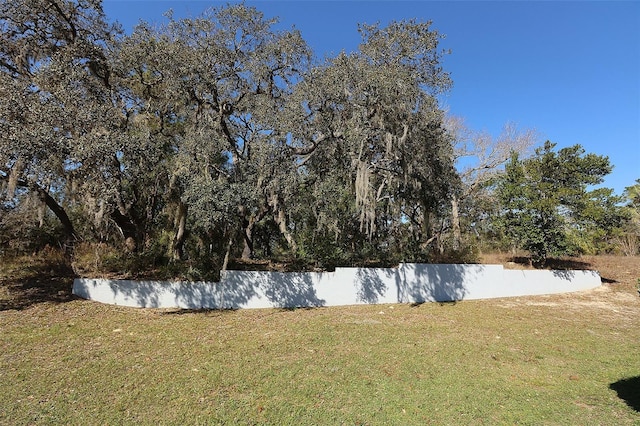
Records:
x=49, y=278
x=560, y=359
x=617, y=297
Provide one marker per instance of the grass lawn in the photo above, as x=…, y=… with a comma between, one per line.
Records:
x=563, y=359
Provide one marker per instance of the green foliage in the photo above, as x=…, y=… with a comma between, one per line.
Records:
x=27, y=226
x=547, y=208
x=629, y=238
x=182, y=146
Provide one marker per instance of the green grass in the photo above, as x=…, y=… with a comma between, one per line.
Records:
x=538, y=360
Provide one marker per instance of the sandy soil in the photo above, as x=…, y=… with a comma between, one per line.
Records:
x=616, y=299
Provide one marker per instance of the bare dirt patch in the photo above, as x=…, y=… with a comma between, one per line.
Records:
x=612, y=269
x=616, y=300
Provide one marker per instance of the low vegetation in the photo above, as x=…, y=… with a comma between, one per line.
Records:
x=562, y=359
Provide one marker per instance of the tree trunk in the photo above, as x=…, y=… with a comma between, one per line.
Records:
x=280, y=218
x=247, y=237
x=248, y=224
x=455, y=223
x=51, y=203
x=425, y=230
x=180, y=224
x=227, y=254
x=127, y=228
x=58, y=210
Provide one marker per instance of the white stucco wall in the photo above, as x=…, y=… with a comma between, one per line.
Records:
x=409, y=283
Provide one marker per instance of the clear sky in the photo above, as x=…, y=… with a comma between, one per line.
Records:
x=571, y=70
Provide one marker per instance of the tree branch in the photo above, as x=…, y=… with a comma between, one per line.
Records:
x=314, y=144
x=50, y=202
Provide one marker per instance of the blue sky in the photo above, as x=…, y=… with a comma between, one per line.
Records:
x=571, y=70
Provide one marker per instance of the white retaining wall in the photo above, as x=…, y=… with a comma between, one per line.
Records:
x=409, y=283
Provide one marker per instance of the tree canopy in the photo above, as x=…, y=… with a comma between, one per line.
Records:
x=220, y=136
x=548, y=208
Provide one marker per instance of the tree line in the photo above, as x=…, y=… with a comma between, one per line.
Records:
x=219, y=137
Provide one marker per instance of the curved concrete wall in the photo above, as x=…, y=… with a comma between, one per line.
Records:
x=409, y=283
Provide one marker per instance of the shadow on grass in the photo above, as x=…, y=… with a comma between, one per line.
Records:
x=204, y=311
x=629, y=391
x=36, y=282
